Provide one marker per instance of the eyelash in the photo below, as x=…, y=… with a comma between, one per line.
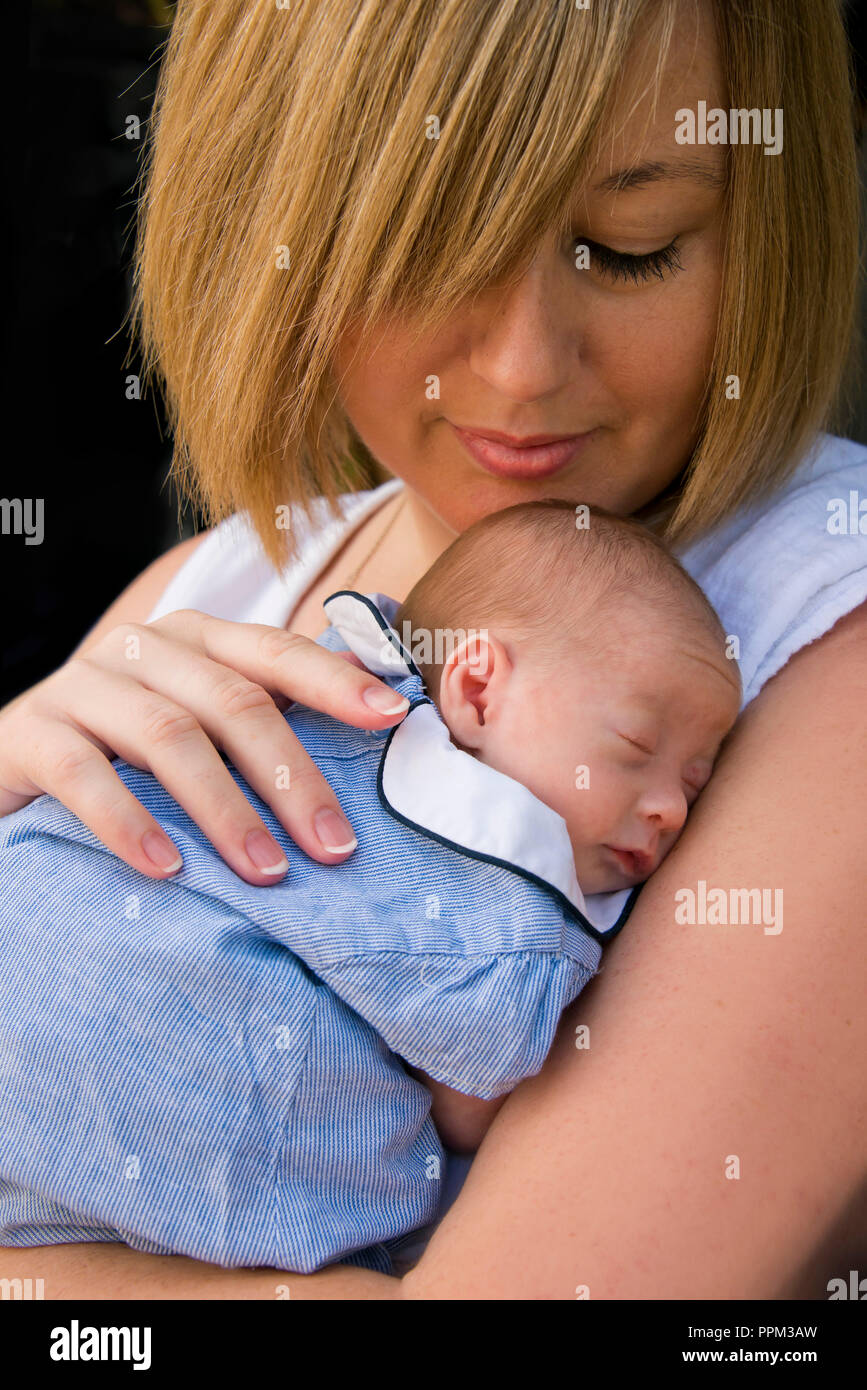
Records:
x=642, y=748
x=619, y=265
x=648, y=754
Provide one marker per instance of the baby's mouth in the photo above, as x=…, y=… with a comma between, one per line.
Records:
x=637, y=863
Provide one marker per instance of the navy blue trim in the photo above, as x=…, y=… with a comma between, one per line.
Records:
x=569, y=907
x=386, y=627
x=621, y=921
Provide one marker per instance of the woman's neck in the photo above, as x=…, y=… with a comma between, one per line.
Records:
x=417, y=538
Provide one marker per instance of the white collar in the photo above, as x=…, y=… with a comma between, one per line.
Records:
x=434, y=787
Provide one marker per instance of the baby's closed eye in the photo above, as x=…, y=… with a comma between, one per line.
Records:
x=644, y=745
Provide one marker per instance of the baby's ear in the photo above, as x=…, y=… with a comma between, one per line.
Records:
x=473, y=684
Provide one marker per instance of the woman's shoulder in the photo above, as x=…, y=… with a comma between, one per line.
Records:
x=782, y=571
x=229, y=575
x=811, y=499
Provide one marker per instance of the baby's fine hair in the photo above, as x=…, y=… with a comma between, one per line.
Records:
x=552, y=569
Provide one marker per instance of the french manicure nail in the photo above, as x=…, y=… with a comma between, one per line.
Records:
x=335, y=833
x=383, y=700
x=161, y=852
x=265, y=853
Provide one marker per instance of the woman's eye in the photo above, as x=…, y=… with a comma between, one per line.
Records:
x=620, y=266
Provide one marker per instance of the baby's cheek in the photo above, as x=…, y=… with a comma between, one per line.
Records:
x=668, y=845
x=602, y=799
x=592, y=791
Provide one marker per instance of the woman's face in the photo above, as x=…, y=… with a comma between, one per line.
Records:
x=615, y=353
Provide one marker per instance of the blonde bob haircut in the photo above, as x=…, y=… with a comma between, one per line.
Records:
x=290, y=186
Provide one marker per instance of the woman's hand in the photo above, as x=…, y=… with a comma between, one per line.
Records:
x=165, y=696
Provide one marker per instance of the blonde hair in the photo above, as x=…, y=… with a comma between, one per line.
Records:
x=304, y=129
x=532, y=573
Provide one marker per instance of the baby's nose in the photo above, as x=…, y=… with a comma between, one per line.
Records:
x=665, y=808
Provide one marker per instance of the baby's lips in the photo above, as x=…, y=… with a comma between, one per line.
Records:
x=635, y=861
x=644, y=863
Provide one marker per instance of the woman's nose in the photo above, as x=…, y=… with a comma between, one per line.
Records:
x=525, y=336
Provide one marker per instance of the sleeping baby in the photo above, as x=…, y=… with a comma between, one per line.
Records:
x=267, y=1076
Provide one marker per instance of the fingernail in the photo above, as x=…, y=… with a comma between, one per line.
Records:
x=383, y=700
x=335, y=833
x=161, y=852
x=265, y=853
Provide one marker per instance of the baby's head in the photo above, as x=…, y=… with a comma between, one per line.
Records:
x=567, y=648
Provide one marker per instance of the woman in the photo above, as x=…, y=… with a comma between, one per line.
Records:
x=442, y=224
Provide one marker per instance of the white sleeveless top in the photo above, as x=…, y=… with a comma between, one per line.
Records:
x=779, y=573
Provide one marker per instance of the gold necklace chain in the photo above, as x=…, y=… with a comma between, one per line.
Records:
x=348, y=583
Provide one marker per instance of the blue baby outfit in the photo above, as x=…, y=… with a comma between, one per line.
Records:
x=202, y=1067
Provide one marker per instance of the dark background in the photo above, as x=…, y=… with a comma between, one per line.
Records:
x=99, y=460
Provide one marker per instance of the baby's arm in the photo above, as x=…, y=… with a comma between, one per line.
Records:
x=462, y=1121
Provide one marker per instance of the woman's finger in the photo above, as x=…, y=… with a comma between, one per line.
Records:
x=150, y=731
x=240, y=717
x=78, y=773
x=282, y=661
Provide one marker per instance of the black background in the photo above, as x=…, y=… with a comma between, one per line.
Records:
x=76, y=70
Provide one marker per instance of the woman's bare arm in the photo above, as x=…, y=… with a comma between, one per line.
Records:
x=708, y=1044
x=106, y=1271
x=138, y=600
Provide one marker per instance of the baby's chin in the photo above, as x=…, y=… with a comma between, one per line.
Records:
x=613, y=883
x=601, y=882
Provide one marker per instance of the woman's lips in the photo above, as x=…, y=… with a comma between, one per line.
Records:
x=528, y=461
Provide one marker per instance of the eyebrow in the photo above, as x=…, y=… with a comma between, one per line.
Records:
x=654, y=171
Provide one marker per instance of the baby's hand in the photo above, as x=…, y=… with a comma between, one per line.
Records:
x=462, y=1121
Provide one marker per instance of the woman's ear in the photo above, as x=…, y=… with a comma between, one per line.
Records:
x=473, y=688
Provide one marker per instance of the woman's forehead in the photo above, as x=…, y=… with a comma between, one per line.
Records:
x=637, y=142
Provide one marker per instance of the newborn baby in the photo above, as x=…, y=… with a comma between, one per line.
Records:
x=600, y=669
x=264, y=1076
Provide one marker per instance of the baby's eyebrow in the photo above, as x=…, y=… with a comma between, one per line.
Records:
x=637, y=176
x=644, y=702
